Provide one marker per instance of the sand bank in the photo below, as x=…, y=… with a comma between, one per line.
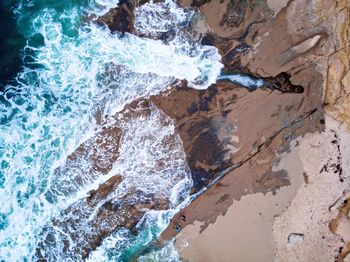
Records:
x=257, y=227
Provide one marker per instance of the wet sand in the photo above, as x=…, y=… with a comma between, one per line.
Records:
x=310, y=42
x=244, y=233
x=257, y=227
x=229, y=132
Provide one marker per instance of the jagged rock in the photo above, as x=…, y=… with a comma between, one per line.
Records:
x=234, y=14
x=306, y=42
x=199, y=3
x=282, y=83
x=213, y=144
x=83, y=226
x=121, y=18
x=226, y=130
x=289, y=47
x=245, y=152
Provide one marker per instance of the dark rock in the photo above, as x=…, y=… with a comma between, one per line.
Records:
x=208, y=40
x=199, y=3
x=196, y=124
x=235, y=13
x=233, y=56
x=120, y=19
x=84, y=225
x=282, y=83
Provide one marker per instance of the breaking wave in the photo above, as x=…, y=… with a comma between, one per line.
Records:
x=73, y=71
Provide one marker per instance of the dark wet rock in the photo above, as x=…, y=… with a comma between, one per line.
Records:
x=214, y=145
x=208, y=40
x=293, y=51
x=206, y=154
x=120, y=19
x=96, y=196
x=282, y=83
x=227, y=131
x=199, y=3
x=235, y=13
x=90, y=160
x=166, y=36
x=206, y=120
x=84, y=224
x=232, y=58
x=142, y=2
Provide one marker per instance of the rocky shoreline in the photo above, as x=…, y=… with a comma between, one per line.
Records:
x=267, y=38
x=231, y=135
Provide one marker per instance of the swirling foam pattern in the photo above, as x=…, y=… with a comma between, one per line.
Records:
x=72, y=69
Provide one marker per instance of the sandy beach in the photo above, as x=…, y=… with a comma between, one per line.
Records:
x=178, y=130
x=257, y=227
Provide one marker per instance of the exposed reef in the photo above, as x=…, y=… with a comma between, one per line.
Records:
x=306, y=43
x=232, y=136
x=119, y=19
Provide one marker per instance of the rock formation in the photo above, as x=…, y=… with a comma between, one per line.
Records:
x=299, y=48
x=309, y=40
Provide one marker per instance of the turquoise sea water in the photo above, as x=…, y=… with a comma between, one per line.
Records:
x=10, y=45
x=62, y=70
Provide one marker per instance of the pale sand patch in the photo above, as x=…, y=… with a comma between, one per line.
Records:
x=257, y=227
x=245, y=232
x=309, y=211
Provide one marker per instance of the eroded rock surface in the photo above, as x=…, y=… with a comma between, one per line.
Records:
x=121, y=18
x=254, y=40
x=270, y=37
x=216, y=139
x=307, y=40
x=298, y=48
x=214, y=129
x=118, y=190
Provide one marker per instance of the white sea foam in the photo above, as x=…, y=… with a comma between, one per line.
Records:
x=243, y=80
x=153, y=18
x=150, y=227
x=167, y=252
x=100, y=7
x=52, y=110
x=151, y=162
x=151, y=158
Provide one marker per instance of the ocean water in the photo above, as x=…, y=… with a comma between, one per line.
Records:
x=69, y=70
x=247, y=81
x=10, y=45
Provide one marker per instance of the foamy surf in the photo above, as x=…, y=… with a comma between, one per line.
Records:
x=152, y=165
x=73, y=71
x=244, y=80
